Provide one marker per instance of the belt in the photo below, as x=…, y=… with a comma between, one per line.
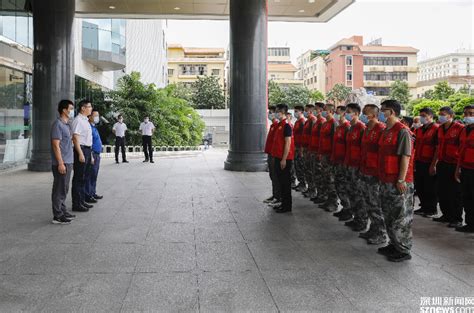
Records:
x=84, y=146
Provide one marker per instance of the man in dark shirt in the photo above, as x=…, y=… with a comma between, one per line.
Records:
x=62, y=159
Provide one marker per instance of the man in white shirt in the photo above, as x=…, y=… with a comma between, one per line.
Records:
x=82, y=139
x=119, y=130
x=146, y=129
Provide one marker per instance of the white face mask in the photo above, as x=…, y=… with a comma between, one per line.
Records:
x=71, y=114
x=96, y=120
x=146, y=120
x=120, y=120
x=417, y=125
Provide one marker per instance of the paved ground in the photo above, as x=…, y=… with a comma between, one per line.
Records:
x=184, y=235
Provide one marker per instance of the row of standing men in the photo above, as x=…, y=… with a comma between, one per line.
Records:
x=366, y=160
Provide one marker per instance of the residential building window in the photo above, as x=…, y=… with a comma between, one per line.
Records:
x=378, y=91
x=388, y=61
x=349, y=76
x=170, y=72
x=383, y=76
x=349, y=60
x=215, y=72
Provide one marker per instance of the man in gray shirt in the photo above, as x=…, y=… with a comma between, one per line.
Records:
x=62, y=158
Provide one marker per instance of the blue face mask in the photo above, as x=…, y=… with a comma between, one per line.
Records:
x=468, y=120
x=271, y=116
x=305, y=114
x=443, y=119
x=324, y=114
x=349, y=116
x=337, y=117
x=382, y=117
x=71, y=114
x=423, y=120
x=364, y=119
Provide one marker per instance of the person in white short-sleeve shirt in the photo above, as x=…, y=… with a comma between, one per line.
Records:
x=119, y=130
x=147, y=128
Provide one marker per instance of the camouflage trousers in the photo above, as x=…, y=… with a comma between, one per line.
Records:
x=328, y=183
x=371, y=203
x=357, y=194
x=318, y=177
x=299, y=167
x=309, y=175
x=397, y=212
x=342, y=185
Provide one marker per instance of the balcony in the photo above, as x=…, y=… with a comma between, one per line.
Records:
x=387, y=68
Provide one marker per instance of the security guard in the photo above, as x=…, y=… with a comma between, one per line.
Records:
x=283, y=150
x=425, y=163
x=396, y=157
x=275, y=198
x=325, y=149
x=465, y=169
x=298, y=135
x=314, y=149
x=448, y=189
x=377, y=233
x=352, y=161
x=337, y=159
x=310, y=192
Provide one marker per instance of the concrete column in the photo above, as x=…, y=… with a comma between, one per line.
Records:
x=248, y=85
x=53, y=72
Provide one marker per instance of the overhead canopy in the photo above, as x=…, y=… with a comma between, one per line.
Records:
x=278, y=10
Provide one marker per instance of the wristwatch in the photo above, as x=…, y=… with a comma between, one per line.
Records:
x=401, y=181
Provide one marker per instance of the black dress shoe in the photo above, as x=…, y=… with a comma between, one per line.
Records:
x=441, y=219
x=146, y=160
x=97, y=197
x=350, y=224
x=91, y=200
x=455, y=224
x=124, y=161
x=387, y=250
x=465, y=229
x=419, y=212
x=80, y=208
x=399, y=257
x=151, y=161
x=282, y=210
x=117, y=162
x=346, y=216
x=86, y=205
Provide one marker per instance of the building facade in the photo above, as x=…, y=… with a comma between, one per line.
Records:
x=280, y=68
x=186, y=64
x=312, y=69
x=456, y=68
x=372, y=66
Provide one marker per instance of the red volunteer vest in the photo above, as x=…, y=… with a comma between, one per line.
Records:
x=339, y=143
x=425, y=144
x=315, y=133
x=354, y=142
x=370, y=150
x=389, y=161
x=279, y=142
x=298, y=130
x=308, y=125
x=325, y=140
x=466, y=154
x=270, y=136
x=448, y=143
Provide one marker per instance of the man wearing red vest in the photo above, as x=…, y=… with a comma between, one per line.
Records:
x=313, y=148
x=274, y=200
x=465, y=169
x=425, y=161
x=298, y=135
x=377, y=233
x=289, y=118
x=325, y=149
x=448, y=189
x=396, y=154
x=337, y=159
x=352, y=161
x=283, y=150
x=309, y=177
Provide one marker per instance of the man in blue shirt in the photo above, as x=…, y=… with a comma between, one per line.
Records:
x=93, y=169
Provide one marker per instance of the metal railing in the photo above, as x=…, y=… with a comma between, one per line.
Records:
x=109, y=150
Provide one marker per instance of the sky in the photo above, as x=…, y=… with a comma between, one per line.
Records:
x=435, y=27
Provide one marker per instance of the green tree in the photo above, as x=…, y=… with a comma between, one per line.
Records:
x=399, y=91
x=181, y=91
x=442, y=91
x=435, y=105
x=411, y=104
x=338, y=94
x=465, y=89
x=176, y=122
x=458, y=107
x=207, y=93
x=297, y=95
x=316, y=95
x=276, y=95
x=429, y=94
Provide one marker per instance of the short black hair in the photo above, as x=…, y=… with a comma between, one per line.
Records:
x=393, y=105
x=354, y=107
x=468, y=107
x=119, y=116
x=319, y=104
x=64, y=104
x=309, y=105
x=283, y=107
x=299, y=107
x=408, y=120
x=372, y=106
x=331, y=106
x=447, y=109
x=428, y=111
x=83, y=103
x=95, y=110
x=271, y=108
x=341, y=108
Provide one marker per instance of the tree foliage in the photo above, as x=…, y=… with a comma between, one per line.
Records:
x=207, y=93
x=442, y=91
x=316, y=95
x=399, y=91
x=338, y=94
x=276, y=95
x=435, y=105
x=297, y=95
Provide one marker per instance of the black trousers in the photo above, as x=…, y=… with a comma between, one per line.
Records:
x=120, y=143
x=449, y=192
x=467, y=185
x=425, y=186
x=273, y=177
x=147, y=147
x=79, y=178
x=284, y=179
